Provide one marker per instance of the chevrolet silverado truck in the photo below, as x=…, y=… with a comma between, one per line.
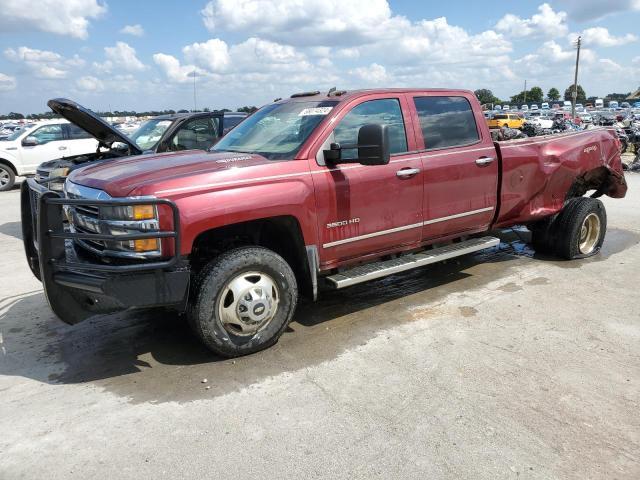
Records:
x=164, y=133
x=312, y=192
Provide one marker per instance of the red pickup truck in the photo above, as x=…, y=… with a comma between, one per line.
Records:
x=319, y=189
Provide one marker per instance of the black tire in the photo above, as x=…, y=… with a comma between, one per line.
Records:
x=211, y=283
x=7, y=177
x=566, y=228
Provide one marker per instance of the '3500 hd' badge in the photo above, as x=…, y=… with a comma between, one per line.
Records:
x=343, y=223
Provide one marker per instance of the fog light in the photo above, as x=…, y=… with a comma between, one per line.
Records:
x=144, y=212
x=146, y=245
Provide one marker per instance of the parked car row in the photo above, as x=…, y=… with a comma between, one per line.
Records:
x=51, y=149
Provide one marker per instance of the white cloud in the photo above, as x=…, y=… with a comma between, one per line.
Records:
x=312, y=22
x=600, y=37
x=135, y=30
x=545, y=23
x=7, y=82
x=212, y=55
x=121, y=57
x=69, y=17
x=374, y=74
x=42, y=63
x=89, y=84
x=584, y=10
x=174, y=71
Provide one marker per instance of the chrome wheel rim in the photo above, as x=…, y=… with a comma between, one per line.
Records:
x=589, y=233
x=248, y=303
x=4, y=177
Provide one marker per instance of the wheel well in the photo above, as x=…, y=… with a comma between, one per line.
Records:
x=282, y=235
x=10, y=165
x=599, y=179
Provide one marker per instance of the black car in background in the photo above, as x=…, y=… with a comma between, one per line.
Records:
x=165, y=133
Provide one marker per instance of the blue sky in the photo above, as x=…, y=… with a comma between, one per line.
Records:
x=143, y=55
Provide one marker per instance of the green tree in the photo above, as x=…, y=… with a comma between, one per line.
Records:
x=486, y=96
x=248, y=109
x=581, y=98
x=535, y=95
x=553, y=94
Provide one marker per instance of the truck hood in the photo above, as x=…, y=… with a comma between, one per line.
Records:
x=91, y=123
x=146, y=174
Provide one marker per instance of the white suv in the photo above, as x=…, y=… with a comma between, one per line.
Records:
x=24, y=150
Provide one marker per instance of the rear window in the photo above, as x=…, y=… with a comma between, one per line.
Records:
x=447, y=121
x=229, y=122
x=501, y=117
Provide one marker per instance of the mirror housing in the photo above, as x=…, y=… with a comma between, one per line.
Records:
x=373, y=147
x=30, y=142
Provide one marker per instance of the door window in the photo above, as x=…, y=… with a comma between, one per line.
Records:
x=48, y=133
x=199, y=134
x=76, y=133
x=385, y=112
x=447, y=121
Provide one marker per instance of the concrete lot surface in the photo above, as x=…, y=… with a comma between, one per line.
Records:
x=497, y=366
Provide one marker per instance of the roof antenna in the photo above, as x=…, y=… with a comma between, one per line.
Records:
x=331, y=90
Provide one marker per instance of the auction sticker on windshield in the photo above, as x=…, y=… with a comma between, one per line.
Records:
x=315, y=111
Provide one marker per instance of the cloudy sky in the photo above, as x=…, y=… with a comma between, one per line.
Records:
x=141, y=55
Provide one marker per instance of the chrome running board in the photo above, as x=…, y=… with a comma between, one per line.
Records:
x=371, y=271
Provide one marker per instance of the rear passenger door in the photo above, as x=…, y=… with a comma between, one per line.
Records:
x=78, y=142
x=460, y=165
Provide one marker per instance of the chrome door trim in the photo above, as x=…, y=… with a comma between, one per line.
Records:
x=457, y=215
x=406, y=227
x=371, y=235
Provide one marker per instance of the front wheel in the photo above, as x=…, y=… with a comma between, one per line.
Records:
x=7, y=178
x=243, y=301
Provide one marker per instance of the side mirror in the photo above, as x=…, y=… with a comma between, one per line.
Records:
x=373, y=144
x=30, y=142
x=373, y=147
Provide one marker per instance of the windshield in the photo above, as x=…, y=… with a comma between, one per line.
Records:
x=16, y=133
x=150, y=133
x=276, y=131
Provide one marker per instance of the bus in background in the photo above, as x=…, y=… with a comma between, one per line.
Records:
x=599, y=103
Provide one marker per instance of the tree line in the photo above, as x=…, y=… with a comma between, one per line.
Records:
x=536, y=95
x=121, y=113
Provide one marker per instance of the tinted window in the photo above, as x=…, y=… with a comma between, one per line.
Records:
x=446, y=121
x=76, y=133
x=229, y=122
x=48, y=133
x=198, y=134
x=385, y=112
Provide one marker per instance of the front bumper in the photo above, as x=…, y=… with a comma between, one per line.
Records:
x=78, y=286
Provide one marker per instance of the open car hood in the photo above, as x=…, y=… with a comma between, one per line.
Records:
x=91, y=123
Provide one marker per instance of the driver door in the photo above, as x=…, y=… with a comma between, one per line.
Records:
x=369, y=209
x=51, y=145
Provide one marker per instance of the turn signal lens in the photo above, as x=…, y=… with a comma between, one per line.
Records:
x=146, y=245
x=143, y=212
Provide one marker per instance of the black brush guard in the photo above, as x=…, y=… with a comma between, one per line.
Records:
x=78, y=286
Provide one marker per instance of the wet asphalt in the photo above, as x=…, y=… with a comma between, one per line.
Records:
x=503, y=364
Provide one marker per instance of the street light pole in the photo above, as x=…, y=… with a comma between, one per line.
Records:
x=525, y=92
x=574, y=94
x=194, y=90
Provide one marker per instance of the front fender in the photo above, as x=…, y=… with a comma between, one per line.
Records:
x=290, y=197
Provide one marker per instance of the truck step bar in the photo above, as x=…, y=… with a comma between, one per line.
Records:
x=364, y=273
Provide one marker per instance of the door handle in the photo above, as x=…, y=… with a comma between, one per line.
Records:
x=62, y=148
x=407, y=172
x=484, y=161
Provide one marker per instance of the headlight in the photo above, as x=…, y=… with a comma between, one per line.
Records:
x=60, y=174
x=129, y=212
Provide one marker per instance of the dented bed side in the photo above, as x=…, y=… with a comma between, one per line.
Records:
x=539, y=174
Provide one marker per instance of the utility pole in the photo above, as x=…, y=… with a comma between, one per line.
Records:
x=525, y=92
x=574, y=94
x=194, y=90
